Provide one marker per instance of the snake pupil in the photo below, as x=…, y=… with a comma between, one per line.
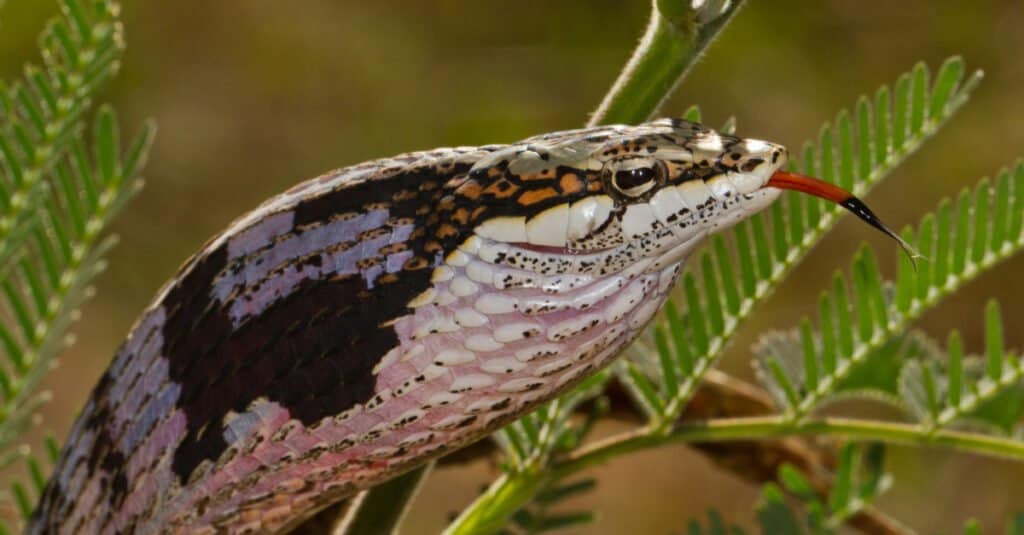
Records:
x=631, y=178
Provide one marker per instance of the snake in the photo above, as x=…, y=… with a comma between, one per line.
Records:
x=384, y=314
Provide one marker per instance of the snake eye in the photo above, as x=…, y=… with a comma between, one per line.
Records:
x=636, y=180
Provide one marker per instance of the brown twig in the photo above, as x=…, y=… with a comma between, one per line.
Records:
x=721, y=396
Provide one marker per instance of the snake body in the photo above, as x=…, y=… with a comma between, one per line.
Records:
x=378, y=316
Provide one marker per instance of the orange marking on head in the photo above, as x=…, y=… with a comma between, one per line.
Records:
x=400, y=221
x=387, y=278
x=404, y=195
x=366, y=263
x=343, y=246
x=501, y=189
x=415, y=263
x=373, y=234
x=446, y=230
x=571, y=183
x=461, y=216
x=446, y=204
x=544, y=174
x=537, y=195
x=393, y=248
x=470, y=189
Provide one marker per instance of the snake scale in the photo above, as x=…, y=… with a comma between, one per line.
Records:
x=366, y=321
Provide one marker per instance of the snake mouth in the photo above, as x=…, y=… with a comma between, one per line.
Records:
x=560, y=249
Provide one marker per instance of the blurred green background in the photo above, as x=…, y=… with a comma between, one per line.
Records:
x=254, y=96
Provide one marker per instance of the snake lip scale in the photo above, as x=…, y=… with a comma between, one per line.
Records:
x=378, y=316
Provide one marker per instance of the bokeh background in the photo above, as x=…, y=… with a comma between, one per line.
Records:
x=253, y=96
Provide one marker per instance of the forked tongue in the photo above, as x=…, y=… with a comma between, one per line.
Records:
x=831, y=192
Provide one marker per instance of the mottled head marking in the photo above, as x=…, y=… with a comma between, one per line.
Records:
x=646, y=189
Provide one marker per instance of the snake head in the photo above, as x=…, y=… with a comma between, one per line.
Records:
x=651, y=191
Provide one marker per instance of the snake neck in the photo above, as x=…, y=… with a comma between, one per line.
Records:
x=487, y=343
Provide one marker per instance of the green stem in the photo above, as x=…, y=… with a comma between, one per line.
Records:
x=768, y=427
x=671, y=45
x=512, y=491
x=506, y=495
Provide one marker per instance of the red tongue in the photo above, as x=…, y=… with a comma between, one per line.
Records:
x=831, y=192
x=813, y=186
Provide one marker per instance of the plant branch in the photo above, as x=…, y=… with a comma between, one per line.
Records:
x=758, y=462
x=676, y=36
x=774, y=427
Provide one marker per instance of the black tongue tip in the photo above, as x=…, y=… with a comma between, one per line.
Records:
x=861, y=210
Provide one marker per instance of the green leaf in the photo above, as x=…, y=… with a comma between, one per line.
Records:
x=956, y=368
x=560, y=493
x=22, y=499
x=774, y=515
x=57, y=261
x=566, y=520
x=677, y=328
x=36, y=132
x=716, y=526
x=950, y=75
x=642, y=390
x=1016, y=525
x=692, y=114
x=993, y=341
x=919, y=96
x=810, y=356
x=842, y=486
x=874, y=480
x=668, y=364
x=794, y=481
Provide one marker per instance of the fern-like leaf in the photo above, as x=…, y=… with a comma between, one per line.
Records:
x=42, y=112
x=49, y=284
x=860, y=330
x=858, y=480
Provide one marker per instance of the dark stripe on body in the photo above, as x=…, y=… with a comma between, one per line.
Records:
x=312, y=351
